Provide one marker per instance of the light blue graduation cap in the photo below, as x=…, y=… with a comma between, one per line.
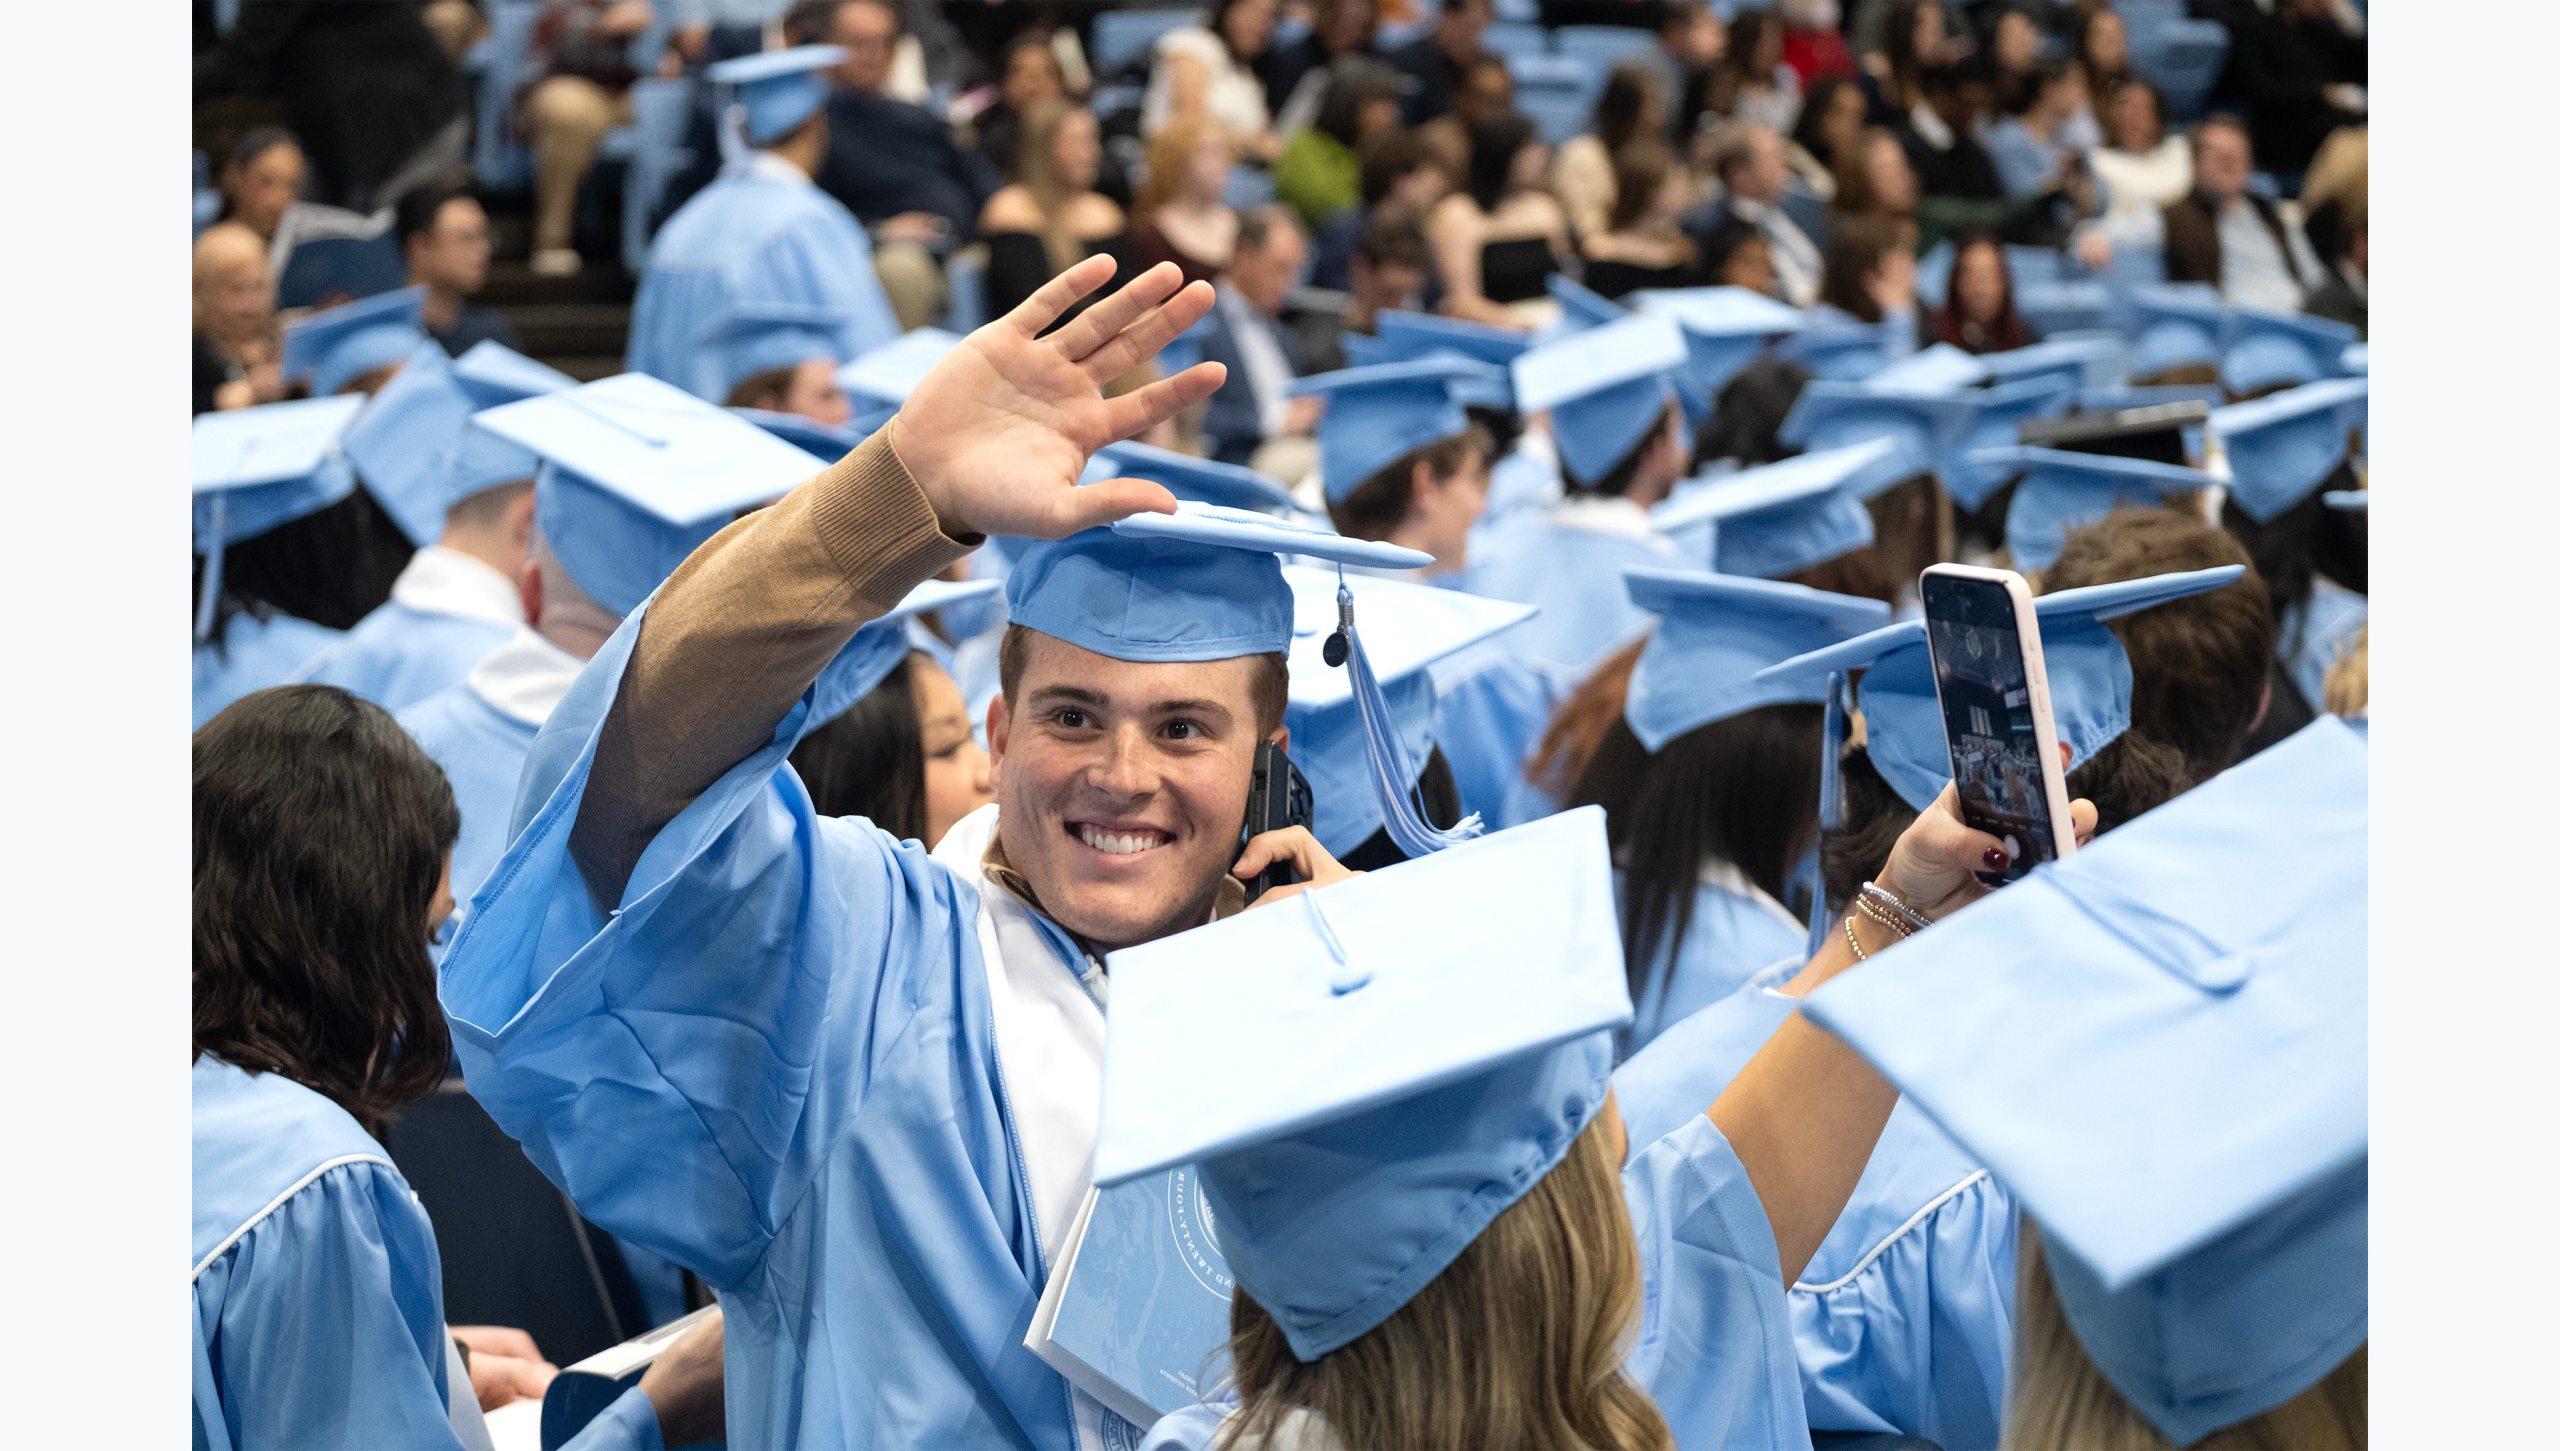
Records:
x=776, y=90
x=1377, y=1068
x=1781, y=518
x=2352, y=361
x=2264, y=349
x=1997, y=413
x=493, y=373
x=261, y=468
x=1602, y=389
x=2080, y=357
x=1937, y=368
x=1703, y=663
x=2158, y=1045
x=332, y=349
x=1927, y=425
x=1413, y=334
x=760, y=337
x=2175, y=325
x=1843, y=350
x=1410, y=629
x=636, y=473
x=2282, y=446
x=2062, y=489
x=826, y=440
x=1722, y=329
x=1230, y=486
x=2347, y=501
x=1376, y=415
x=884, y=376
x=1583, y=308
x=2144, y=395
x=417, y=452
x=1204, y=583
x=879, y=646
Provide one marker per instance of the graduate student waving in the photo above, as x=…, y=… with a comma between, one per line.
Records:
x=851, y=1083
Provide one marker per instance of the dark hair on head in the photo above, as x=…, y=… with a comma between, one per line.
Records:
x=1256, y=227
x=1350, y=84
x=808, y=21
x=1902, y=35
x=1638, y=169
x=1723, y=242
x=1859, y=245
x=2046, y=75
x=1619, y=115
x=1854, y=179
x=321, y=833
x=1873, y=816
x=1809, y=117
x=1393, y=242
x=1751, y=407
x=1742, y=790
x=1217, y=25
x=2130, y=775
x=1622, y=474
x=869, y=761
x=416, y=213
x=1744, y=37
x=2201, y=665
x=1390, y=158
x=1973, y=69
x=1373, y=510
x=2306, y=540
x=332, y=567
x=1492, y=146
x=257, y=141
x=768, y=389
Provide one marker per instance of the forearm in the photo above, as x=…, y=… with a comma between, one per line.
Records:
x=738, y=633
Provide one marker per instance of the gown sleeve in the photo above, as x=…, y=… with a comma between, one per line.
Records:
x=328, y=1320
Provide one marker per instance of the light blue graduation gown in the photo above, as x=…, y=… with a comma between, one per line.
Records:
x=482, y=750
x=1493, y=707
x=1712, y=1346
x=2318, y=633
x=318, y=1301
x=775, y=1064
x=446, y=610
x=1570, y=561
x=1902, y=1319
x=761, y=233
x=1735, y=930
x=255, y=654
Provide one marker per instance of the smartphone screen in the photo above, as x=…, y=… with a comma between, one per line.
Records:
x=1981, y=665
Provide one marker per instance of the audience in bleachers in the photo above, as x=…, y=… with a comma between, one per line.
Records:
x=443, y=233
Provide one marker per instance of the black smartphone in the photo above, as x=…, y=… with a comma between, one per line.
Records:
x=1989, y=664
x=1280, y=798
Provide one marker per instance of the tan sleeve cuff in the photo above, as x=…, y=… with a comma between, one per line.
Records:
x=877, y=526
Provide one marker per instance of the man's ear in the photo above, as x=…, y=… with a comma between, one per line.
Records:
x=1280, y=738
x=529, y=590
x=2266, y=697
x=519, y=523
x=999, y=726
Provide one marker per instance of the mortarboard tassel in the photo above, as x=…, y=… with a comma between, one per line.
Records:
x=209, y=591
x=1413, y=834
x=1827, y=815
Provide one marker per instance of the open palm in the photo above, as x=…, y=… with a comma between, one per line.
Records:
x=998, y=432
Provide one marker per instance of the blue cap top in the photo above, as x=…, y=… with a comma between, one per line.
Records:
x=636, y=473
x=825, y=440
x=2087, y=674
x=333, y=348
x=2158, y=1044
x=1782, y=518
x=2060, y=490
x=2079, y=357
x=1208, y=481
x=1376, y=415
x=1377, y=1069
x=2284, y=445
x=493, y=373
x=760, y=337
x=2148, y=395
x=1938, y=368
x=779, y=89
x=2347, y=501
x=2175, y=325
x=1583, y=308
x=1718, y=633
x=878, y=647
x=1601, y=389
x=888, y=373
x=1412, y=334
x=2266, y=349
x=417, y=451
x=260, y=468
x=1840, y=349
x=1997, y=413
x=1722, y=329
x=1835, y=415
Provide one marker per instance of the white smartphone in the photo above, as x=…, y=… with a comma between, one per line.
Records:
x=1989, y=664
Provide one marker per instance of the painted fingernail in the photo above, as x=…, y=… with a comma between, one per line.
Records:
x=1996, y=859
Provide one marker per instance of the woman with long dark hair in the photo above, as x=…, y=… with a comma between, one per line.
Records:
x=1981, y=311
x=1495, y=240
x=902, y=757
x=323, y=853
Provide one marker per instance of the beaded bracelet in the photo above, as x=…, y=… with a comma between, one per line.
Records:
x=1890, y=909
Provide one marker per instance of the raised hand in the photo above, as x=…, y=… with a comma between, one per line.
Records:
x=997, y=433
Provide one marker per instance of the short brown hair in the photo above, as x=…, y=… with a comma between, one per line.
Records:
x=1270, y=685
x=1373, y=510
x=2201, y=664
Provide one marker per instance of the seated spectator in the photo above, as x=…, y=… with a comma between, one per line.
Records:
x=1870, y=272
x=902, y=757
x=260, y=179
x=2299, y=72
x=445, y=235
x=584, y=50
x=1389, y=268
x=896, y=166
x=1243, y=330
x=1955, y=100
x=2342, y=296
x=2015, y=52
x=1210, y=71
x=1751, y=164
x=2227, y=235
x=1735, y=254
x=2143, y=166
x=1495, y=241
x=807, y=388
x=1401, y=180
x=237, y=345
x=1640, y=243
x=1181, y=213
x=1813, y=46
x=1630, y=108
x=2032, y=147
x=2103, y=55
x=1050, y=217
x=1694, y=41
x=1438, y=61
x=1337, y=29
x=1318, y=173
x=366, y=89
x=1029, y=77
x=1916, y=38
x=1876, y=180
x=1835, y=112
x=1753, y=84
x=2333, y=189
x=1981, y=311
x=1484, y=93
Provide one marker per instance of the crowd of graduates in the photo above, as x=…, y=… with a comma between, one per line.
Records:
x=1318, y=598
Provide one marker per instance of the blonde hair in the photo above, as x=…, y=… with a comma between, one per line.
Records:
x=1169, y=154
x=2057, y=1397
x=2346, y=688
x=1519, y=1345
x=1036, y=172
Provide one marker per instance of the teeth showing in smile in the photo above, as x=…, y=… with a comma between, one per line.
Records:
x=1119, y=843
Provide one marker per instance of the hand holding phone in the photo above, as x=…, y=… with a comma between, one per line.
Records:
x=1988, y=659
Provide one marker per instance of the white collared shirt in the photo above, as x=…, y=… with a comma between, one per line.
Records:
x=441, y=581
x=525, y=678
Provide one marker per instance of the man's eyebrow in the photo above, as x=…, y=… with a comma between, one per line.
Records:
x=1190, y=707
x=1078, y=695
x=1069, y=694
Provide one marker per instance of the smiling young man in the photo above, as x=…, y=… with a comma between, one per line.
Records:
x=851, y=1083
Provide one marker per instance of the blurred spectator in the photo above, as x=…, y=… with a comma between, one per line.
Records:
x=1181, y=215
x=1834, y=113
x=1209, y=71
x=236, y=341
x=261, y=178
x=1917, y=37
x=2342, y=296
x=1436, y=62
x=1734, y=253
x=2333, y=190
x=1318, y=173
x=1753, y=83
x=2103, y=54
x=1483, y=93
x=1640, y=243
x=1049, y=217
x=1956, y=174
x=1870, y=272
x=807, y=388
x=1495, y=240
x=1243, y=331
x=584, y=48
x=1387, y=269
x=1751, y=165
x=1630, y=107
x=2033, y=149
x=2143, y=166
x=1981, y=311
x=2298, y=71
x=2015, y=49
x=456, y=25
x=1876, y=180
x=2225, y=234
x=1813, y=47
x=1694, y=39
x=363, y=83
x=1401, y=180
x=444, y=233
x=1337, y=28
x=895, y=165
x=1030, y=77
